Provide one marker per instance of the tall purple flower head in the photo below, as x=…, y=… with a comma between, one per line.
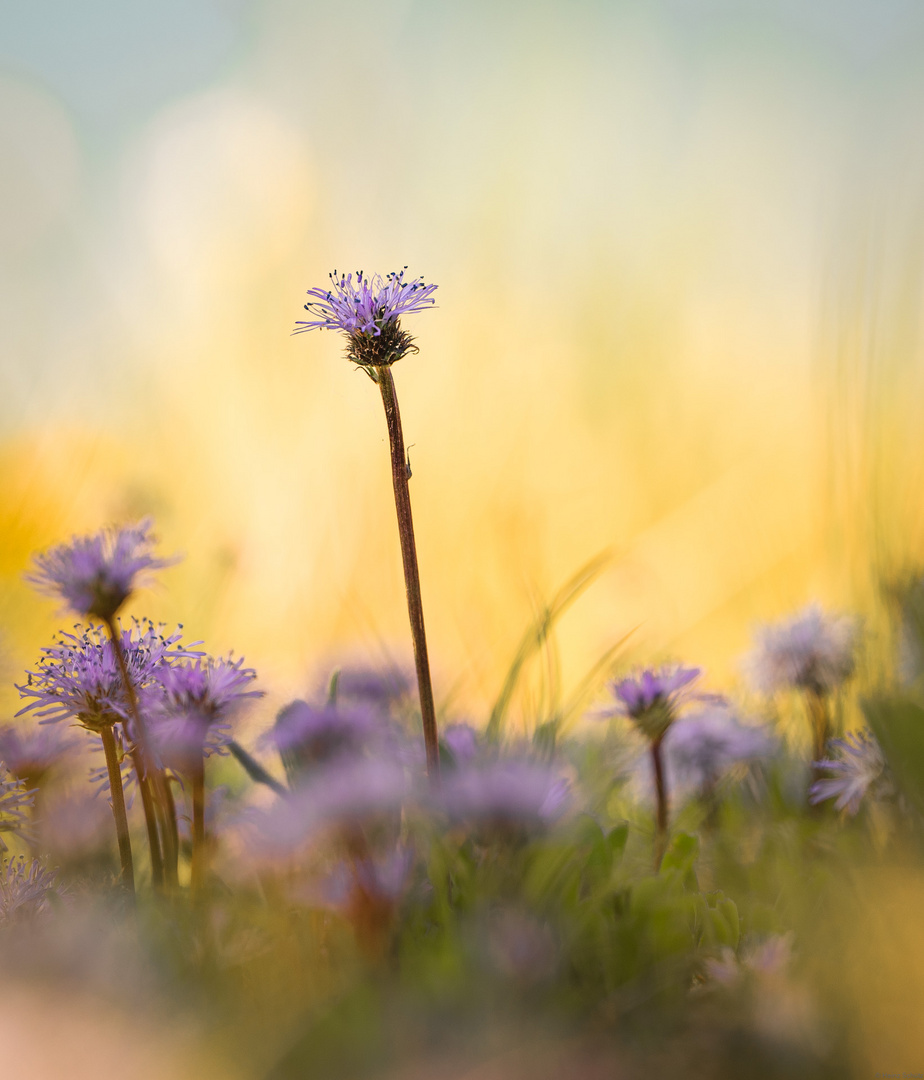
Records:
x=649, y=698
x=95, y=575
x=29, y=752
x=811, y=651
x=78, y=677
x=368, y=310
x=192, y=706
x=858, y=766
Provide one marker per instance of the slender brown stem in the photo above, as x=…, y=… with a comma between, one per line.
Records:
x=399, y=475
x=118, y=809
x=172, y=838
x=661, y=790
x=198, y=830
x=821, y=731
x=140, y=757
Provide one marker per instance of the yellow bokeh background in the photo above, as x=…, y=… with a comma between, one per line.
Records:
x=678, y=319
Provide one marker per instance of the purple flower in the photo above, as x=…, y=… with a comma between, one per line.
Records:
x=505, y=793
x=811, y=651
x=192, y=704
x=24, y=888
x=96, y=574
x=14, y=801
x=349, y=792
x=368, y=311
x=462, y=741
x=650, y=697
x=700, y=748
x=858, y=766
x=369, y=686
x=29, y=752
x=311, y=735
x=78, y=677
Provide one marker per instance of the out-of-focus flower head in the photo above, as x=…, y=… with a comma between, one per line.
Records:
x=506, y=793
x=308, y=736
x=78, y=677
x=858, y=766
x=24, y=888
x=372, y=688
x=95, y=575
x=811, y=651
x=368, y=311
x=15, y=799
x=29, y=752
x=192, y=705
x=649, y=698
x=350, y=792
x=699, y=748
x=462, y=741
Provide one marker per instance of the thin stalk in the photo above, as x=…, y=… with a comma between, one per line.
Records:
x=821, y=731
x=198, y=830
x=399, y=475
x=118, y=809
x=140, y=758
x=172, y=846
x=661, y=790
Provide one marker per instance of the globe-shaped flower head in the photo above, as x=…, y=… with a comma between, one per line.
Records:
x=649, y=698
x=368, y=311
x=95, y=575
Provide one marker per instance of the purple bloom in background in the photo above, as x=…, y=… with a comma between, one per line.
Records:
x=368, y=311
x=349, y=792
x=78, y=677
x=367, y=686
x=311, y=735
x=518, y=793
x=857, y=767
x=811, y=651
x=192, y=704
x=15, y=799
x=462, y=741
x=30, y=752
x=24, y=888
x=700, y=748
x=649, y=698
x=95, y=575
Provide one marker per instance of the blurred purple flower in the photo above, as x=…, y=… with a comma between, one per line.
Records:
x=383, y=879
x=859, y=765
x=462, y=740
x=307, y=735
x=24, y=888
x=96, y=574
x=30, y=752
x=191, y=706
x=518, y=793
x=368, y=311
x=649, y=698
x=367, y=686
x=78, y=678
x=350, y=791
x=521, y=947
x=701, y=747
x=811, y=651
x=15, y=799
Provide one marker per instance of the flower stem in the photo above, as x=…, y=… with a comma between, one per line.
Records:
x=140, y=758
x=399, y=474
x=118, y=809
x=661, y=790
x=198, y=831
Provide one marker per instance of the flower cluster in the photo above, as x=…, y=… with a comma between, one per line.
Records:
x=15, y=799
x=78, y=678
x=650, y=698
x=859, y=765
x=95, y=575
x=191, y=705
x=811, y=651
x=24, y=888
x=368, y=311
